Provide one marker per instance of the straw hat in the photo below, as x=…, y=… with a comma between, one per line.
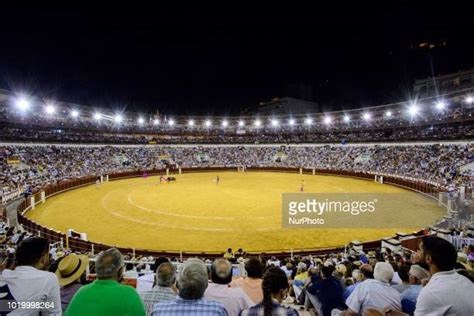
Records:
x=341, y=268
x=71, y=268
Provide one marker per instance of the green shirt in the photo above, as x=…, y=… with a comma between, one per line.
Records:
x=106, y=297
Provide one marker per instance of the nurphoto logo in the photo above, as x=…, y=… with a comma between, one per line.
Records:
x=341, y=210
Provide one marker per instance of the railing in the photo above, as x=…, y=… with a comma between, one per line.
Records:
x=82, y=246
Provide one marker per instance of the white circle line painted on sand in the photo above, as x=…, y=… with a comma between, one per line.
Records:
x=114, y=213
x=129, y=198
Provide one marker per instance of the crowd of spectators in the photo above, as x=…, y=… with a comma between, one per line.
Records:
x=435, y=280
x=43, y=165
x=268, y=136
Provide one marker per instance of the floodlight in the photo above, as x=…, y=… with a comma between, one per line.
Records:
x=50, y=109
x=23, y=104
x=440, y=105
x=413, y=110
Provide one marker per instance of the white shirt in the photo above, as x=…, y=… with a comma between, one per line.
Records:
x=234, y=299
x=28, y=284
x=447, y=293
x=287, y=272
x=396, y=279
x=145, y=282
x=131, y=274
x=373, y=294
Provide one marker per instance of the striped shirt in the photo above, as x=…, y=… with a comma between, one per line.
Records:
x=277, y=310
x=179, y=307
x=156, y=295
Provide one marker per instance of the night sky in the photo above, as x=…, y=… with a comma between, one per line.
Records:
x=225, y=60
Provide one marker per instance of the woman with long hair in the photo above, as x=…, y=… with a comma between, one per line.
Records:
x=275, y=287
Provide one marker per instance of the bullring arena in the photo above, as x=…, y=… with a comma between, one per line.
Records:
x=195, y=214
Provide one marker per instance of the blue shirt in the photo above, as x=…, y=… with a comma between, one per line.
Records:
x=411, y=293
x=348, y=291
x=178, y=307
x=329, y=293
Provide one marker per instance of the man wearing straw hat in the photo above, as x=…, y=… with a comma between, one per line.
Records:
x=71, y=275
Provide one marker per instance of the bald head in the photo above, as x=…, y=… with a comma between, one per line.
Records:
x=221, y=272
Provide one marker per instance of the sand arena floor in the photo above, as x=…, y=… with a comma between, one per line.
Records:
x=195, y=214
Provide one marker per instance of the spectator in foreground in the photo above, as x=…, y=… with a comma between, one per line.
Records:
x=409, y=297
x=234, y=299
x=325, y=292
x=365, y=272
x=29, y=282
x=374, y=293
x=106, y=296
x=164, y=290
x=275, y=288
x=147, y=281
x=404, y=277
x=192, y=283
x=447, y=292
x=71, y=275
x=252, y=284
